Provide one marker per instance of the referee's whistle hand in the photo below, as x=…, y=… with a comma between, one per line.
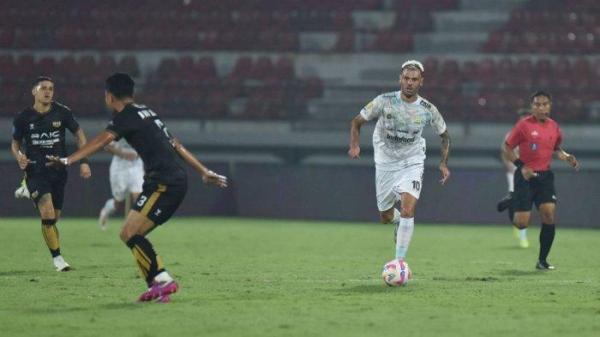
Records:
x=573, y=162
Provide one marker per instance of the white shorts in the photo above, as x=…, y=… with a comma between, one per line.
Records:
x=390, y=184
x=126, y=179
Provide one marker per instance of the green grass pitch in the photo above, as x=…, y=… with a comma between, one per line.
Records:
x=243, y=277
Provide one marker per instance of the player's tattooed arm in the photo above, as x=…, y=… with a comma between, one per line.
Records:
x=208, y=176
x=569, y=158
x=445, y=153
x=355, y=125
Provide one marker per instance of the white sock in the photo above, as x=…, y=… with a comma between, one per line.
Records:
x=523, y=234
x=510, y=180
x=109, y=206
x=163, y=277
x=403, y=236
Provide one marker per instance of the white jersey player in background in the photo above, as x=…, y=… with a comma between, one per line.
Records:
x=399, y=149
x=126, y=178
x=506, y=202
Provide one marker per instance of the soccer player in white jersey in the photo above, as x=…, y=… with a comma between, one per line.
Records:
x=126, y=178
x=506, y=202
x=399, y=149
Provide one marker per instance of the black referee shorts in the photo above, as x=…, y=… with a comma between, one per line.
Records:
x=538, y=190
x=159, y=201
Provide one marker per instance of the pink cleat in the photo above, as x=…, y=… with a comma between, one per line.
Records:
x=160, y=292
x=164, y=299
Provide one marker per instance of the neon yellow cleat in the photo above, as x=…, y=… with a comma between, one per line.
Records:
x=524, y=243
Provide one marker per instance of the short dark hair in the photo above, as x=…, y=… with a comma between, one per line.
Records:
x=120, y=85
x=540, y=93
x=41, y=79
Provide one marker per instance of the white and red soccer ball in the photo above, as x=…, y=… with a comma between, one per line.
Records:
x=396, y=273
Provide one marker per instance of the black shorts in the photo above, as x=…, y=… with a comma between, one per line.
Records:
x=50, y=181
x=159, y=201
x=538, y=190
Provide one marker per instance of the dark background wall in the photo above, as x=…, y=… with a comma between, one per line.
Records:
x=326, y=192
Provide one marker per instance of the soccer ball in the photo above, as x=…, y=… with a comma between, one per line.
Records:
x=396, y=273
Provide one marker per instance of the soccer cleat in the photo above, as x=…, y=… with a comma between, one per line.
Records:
x=103, y=219
x=543, y=265
x=22, y=191
x=164, y=299
x=504, y=203
x=523, y=243
x=61, y=264
x=159, y=290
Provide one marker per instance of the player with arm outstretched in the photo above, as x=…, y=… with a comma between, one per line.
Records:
x=399, y=150
x=165, y=181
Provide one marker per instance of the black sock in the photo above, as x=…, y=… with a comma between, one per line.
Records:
x=148, y=261
x=546, y=239
x=50, y=233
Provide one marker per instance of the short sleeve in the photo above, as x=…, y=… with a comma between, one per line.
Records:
x=515, y=137
x=558, y=138
x=437, y=121
x=18, y=131
x=373, y=110
x=120, y=125
x=70, y=122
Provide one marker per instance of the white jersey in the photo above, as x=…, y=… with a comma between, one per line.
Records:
x=397, y=139
x=126, y=176
x=122, y=163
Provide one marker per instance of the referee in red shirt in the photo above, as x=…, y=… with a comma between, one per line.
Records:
x=538, y=137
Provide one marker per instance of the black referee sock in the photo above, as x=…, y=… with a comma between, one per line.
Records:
x=50, y=233
x=148, y=261
x=546, y=239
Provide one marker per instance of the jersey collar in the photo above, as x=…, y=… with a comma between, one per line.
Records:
x=399, y=96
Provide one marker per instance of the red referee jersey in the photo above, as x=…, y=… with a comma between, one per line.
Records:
x=536, y=141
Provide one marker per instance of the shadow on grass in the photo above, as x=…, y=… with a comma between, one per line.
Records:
x=369, y=289
x=19, y=272
x=519, y=272
x=103, y=307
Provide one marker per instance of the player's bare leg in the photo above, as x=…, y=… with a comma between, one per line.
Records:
x=49, y=216
x=521, y=219
x=547, y=232
x=160, y=283
x=111, y=206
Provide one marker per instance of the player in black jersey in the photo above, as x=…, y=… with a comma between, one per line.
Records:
x=39, y=131
x=165, y=182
